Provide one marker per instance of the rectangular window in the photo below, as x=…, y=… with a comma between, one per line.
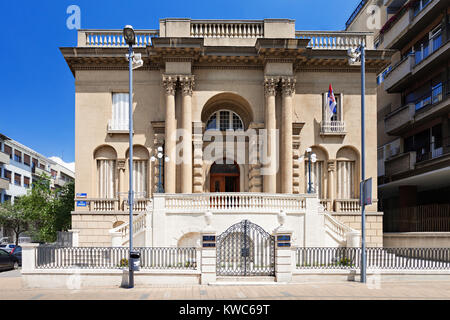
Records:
x=17, y=156
x=328, y=114
x=42, y=166
x=7, y=176
x=53, y=173
x=17, y=179
x=436, y=38
x=317, y=178
x=26, y=182
x=106, y=178
x=120, y=102
x=8, y=151
x=140, y=178
x=346, y=180
x=26, y=159
x=7, y=197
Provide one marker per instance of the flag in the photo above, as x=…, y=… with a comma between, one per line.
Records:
x=331, y=102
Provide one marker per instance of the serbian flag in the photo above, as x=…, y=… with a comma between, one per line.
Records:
x=331, y=102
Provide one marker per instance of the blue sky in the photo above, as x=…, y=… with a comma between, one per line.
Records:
x=37, y=103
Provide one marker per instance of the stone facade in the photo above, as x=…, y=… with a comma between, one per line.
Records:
x=263, y=74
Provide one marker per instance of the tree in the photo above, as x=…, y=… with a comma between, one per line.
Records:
x=12, y=216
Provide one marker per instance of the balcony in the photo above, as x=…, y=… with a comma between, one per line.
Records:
x=39, y=171
x=397, y=76
x=433, y=104
x=4, y=158
x=408, y=22
x=4, y=184
x=333, y=128
x=59, y=182
x=399, y=119
x=115, y=126
x=401, y=163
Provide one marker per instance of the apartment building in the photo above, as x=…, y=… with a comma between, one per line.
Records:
x=413, y=111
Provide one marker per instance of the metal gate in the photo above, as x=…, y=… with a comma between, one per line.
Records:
x=245, y=249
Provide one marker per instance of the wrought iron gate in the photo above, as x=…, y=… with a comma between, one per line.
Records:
x=245, y=249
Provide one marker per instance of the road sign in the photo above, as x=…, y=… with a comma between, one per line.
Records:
x=366, y=190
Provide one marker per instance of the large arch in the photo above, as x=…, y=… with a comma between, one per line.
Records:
x=229, y=158
x=228, y=101
x=105, y=152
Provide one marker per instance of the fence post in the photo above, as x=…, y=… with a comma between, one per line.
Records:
x=75, y=238
x=208, y=258
x=29, y=256
x=283, y=255
x=353, y=239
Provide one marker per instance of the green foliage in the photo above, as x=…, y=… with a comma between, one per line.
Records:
x=123, y=262
x=43, y=211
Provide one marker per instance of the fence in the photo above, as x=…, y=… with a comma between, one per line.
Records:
x=52, y=257
x=377, y=258
x=426, y=218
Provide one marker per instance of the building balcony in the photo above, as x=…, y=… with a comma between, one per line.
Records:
x=59, y=182
x=39, y=171
x=399, y=119
x=115, y=126
x=336, y=128
x=114, y=205
x=401, y=163
x=399, y=73
x=4, y=184
x=4, y=158
x=435, y=103
x=400, y=29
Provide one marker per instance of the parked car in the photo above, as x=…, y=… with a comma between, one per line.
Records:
x=7, y=247
x=17, y=252
x=4, y=240
x=8, y=261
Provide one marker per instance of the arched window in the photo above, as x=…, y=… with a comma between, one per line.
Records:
x=224, y=120
x=105, y=158
x=347, y=173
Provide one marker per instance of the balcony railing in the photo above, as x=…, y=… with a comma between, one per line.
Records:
x=114, y=38
x=224, y=29
x=399, y=72
x=240, y=202
x=4, y=158
x=336, y=39
x=400, y=163
x=4, y=184
x=332, y=127
x=433, y=150
x=399, y=118
x=347, y=205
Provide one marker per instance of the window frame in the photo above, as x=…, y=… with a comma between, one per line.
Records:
x=217, y=116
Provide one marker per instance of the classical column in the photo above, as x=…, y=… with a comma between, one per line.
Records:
x=288, y=90
x=270, y=178
x=169, y=83
x=187, y=85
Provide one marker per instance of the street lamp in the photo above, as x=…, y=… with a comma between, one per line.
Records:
x=160, y=155
x=312, y=157
x=358, y=55
x=129, y=36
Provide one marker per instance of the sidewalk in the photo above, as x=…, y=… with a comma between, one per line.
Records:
x=11, y=288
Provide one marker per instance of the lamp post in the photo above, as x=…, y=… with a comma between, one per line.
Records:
x=129, y=36
x=160, y=155
x=355, y=56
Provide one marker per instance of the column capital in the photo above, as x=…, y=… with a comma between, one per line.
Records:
x=270, y=86
x=288, y=85
x=169, y=83
x=187, y=83
x=121, y=164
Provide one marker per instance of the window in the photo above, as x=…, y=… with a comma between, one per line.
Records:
x=346, y=180
x=7, y=176
x=120, y=112
x=317, y=178
x=106, y=177
x=8, y=150
x=26, y=159
x=53, y=173
x=26, y=182
x=42, y=166
x=224, y=120
x=420, y=5
x=140, y=178
x=382, y=76
x=436, y=38
x=17, y=156
x=338, y=115
x=17, y=179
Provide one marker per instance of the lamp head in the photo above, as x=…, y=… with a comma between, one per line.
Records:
x=152, y=159
x=128, y=35
x=160, y=149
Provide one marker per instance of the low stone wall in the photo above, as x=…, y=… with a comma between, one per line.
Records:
x=78, y=278
x=417, y=240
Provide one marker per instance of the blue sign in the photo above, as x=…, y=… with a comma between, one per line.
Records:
x=81, y=195
x=81, y=203
x=209, y=245
x=209, y=238
x=284, y=244
x=284, y=238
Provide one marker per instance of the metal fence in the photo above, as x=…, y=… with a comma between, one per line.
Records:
x=377, y=258
x=53, y=257
x=425, y=218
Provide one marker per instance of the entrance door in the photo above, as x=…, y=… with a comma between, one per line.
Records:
x=224, y=177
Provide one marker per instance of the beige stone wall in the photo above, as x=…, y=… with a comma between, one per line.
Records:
x=374, y=226
x=94, y=228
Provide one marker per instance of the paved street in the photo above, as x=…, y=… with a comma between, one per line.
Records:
x=11, y=288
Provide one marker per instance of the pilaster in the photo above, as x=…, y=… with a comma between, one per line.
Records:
x=169, y=85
